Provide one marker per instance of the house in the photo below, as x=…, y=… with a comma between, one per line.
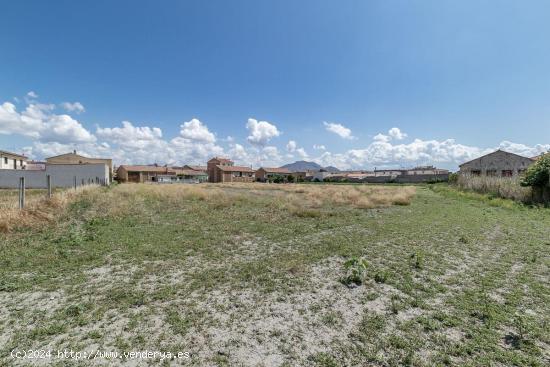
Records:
x=269, y=174
x=140, y=174
x=388, y=172
x=498, y=164
x=10, y=160
x=195, y=168
x=223, y=170
x=74, y=158
x=186, y=175
x=321, y=175
x=300, y=176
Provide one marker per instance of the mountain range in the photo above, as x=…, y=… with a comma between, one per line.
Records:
x=300, y=166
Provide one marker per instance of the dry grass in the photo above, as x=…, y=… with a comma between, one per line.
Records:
x=38, y=209
x=502, y=187
x=299, y=200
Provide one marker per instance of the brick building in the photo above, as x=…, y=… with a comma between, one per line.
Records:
x=223, y=170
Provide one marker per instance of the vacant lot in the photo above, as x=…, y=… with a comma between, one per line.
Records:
x=254, y=275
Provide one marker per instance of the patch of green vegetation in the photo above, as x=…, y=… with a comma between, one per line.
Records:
x=355, y=271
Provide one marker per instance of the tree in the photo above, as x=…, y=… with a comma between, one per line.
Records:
x=538, y=174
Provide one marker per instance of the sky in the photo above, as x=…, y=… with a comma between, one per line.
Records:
x=353, y=84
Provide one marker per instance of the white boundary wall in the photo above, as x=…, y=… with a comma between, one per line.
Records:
x=62, y=175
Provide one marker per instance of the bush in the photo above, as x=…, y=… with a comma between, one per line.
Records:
x=538, y=174
x=355, y=271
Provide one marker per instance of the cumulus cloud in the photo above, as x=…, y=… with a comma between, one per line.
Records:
x=261, y=132
x=396, y=133
x=339, y=130
x=383, y=153
x=65, y=129
x=53, y=134
x=291, y=146
x=295, y=151
x=32, y=94
x=301, y=152
x=38, y=121
x=197, y=131
x=524, y=150
x=382, y=138
x=76, y=107
x=239, y=154
x=130, y=136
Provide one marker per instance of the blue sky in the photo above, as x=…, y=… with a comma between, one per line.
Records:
x=458, y=78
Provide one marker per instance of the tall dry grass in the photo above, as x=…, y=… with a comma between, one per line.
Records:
x=501, y=187
x=144, y=199
x=38, y=208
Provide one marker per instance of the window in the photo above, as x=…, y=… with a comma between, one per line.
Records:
x=491, y=172
x=521, y=171
x=5, y=160
x=476, y=172
x=507, y=173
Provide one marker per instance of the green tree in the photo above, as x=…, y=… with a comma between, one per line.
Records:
x=538, y=174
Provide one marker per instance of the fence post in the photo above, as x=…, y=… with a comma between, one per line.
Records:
x=21, y=192
x=75, y=182
x=49, y=184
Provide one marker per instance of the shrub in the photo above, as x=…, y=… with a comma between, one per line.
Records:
x=355, y=271
x=538, y=174
x=453, y=178
x=381, y=277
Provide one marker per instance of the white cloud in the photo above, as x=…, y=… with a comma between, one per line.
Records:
x=38, y=121
x=54, y=134
x=295, y=151
x=76, y=107
x=291, y=146
x=130, y=136
x=63, y=128
x=300, y=152
x=319, y=147
x=197, y=131
x=524, y=150
x=382, y=138
x=396, y=133
x=12, y=122
x=261, y=132
x=339, y=130
x=32, y=94
x=239, y=154
x=419, y=152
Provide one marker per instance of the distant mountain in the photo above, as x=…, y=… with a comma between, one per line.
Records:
x=332, y=169
x=300, y=166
